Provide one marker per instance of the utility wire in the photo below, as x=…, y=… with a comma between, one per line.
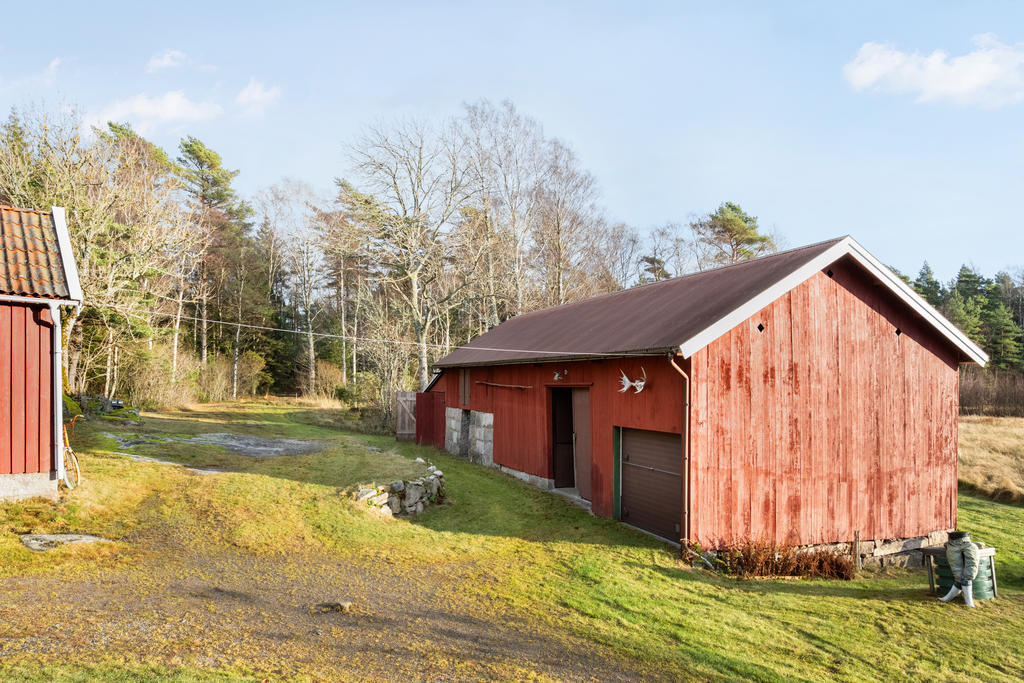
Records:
x=376, y=341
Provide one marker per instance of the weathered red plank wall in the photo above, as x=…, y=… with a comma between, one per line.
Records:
x=522, y=417
x=826, y=422
x=26, y=389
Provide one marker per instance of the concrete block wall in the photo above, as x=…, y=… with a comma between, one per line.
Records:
x=478, y=435
x=481, y=438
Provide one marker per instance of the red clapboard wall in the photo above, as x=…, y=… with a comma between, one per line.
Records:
x=430, y=419
x=825, y=423
x=522, y=417
x=26, y=389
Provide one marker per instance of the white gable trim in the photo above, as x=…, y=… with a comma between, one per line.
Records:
x=67, y=255
x=845, y=247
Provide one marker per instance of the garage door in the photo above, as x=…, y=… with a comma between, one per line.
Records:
x=652, y=485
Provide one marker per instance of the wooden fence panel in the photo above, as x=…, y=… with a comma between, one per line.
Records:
x=405, y=416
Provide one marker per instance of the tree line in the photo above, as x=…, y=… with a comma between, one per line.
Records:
x=439, y=231
x=991, y=312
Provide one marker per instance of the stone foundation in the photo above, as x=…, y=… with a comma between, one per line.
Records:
x=532, y=479
x=470, y=434
x=898, y=552
x=34, y=485
x=901, y=552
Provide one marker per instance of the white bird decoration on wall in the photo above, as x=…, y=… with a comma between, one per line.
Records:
x=637, y=384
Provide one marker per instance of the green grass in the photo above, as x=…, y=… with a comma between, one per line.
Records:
x=523, y=555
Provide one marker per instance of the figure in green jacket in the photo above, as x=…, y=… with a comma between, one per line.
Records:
x=962, y=555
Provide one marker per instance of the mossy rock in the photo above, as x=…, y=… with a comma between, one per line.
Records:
x=71, y=408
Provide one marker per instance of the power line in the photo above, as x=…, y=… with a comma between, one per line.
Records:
x=369, y=339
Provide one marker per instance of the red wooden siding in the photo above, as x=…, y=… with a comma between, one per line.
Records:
x=430, y=419
x=522, y=417
x=26, y=389
x=825, y=423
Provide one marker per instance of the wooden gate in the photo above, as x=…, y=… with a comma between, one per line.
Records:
x=430, y=419
x=405, y=416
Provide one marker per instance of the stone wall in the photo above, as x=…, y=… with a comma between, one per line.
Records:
x=473, y=440
x=901, y=552
x=405, y=497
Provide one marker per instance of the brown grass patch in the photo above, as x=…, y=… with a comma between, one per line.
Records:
x=992, y=456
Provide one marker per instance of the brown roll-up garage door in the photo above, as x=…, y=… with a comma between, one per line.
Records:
x=652, y=482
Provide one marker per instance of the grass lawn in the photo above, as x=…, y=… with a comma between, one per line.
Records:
x=212, y=576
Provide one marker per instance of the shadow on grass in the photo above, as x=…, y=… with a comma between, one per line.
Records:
x=808, y=588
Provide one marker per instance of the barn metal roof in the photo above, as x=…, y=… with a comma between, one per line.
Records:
x=35, y=255
x=681, y=315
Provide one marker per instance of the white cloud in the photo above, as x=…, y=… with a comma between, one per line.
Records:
x=166, y=60
x=50, y=74
x=255, y=97
x=991, y=76
x=44, y=78
x=147, y=113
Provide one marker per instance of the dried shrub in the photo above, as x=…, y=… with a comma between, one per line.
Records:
x=329, y=378
x=750, y=558
x=991, y=391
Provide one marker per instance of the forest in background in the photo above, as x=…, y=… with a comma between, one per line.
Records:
x=438, y=231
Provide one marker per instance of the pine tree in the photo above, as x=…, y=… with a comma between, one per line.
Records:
x=970, y=284
x=653, y=269
x=928, y=286
x=1002, y=336
x=966, y=315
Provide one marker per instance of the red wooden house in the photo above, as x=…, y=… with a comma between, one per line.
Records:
x=37, y=276
x=801, y=397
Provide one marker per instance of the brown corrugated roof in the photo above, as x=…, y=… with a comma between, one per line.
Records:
x=651, y=318
x=30, y=262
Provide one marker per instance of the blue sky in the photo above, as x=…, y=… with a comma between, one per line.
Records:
x=898, y=123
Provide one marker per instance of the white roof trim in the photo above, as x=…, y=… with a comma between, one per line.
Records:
x=845, y=247
x=67, y=255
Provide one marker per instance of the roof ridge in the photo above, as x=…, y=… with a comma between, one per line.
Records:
x=634, y=288
x=8, y=207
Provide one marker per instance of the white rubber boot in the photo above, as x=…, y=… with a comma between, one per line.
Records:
x=969, y=595
x=953, y=592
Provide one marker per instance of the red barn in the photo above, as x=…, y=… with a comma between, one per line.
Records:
x=802, y=397
x=37, y=276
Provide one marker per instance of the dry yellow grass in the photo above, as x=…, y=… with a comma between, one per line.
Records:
x=992, y=456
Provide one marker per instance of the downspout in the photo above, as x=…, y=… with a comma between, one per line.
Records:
x=686, y=444
x=58, y=392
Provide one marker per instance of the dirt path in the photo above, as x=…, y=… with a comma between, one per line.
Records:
x=182, y=603
x=234, y=607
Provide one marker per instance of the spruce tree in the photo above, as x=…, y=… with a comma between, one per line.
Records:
x=928, y=286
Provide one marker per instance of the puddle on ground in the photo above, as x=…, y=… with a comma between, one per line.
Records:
x=42, y=542
x=250, y=446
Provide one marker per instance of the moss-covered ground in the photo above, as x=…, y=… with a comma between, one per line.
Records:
x=212, y=577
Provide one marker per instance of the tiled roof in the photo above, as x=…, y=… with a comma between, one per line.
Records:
x=30, y=258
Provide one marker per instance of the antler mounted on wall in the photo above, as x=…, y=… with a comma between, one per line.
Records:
x=637, y=384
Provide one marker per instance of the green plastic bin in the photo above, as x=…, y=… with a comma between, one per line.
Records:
x=983, y=584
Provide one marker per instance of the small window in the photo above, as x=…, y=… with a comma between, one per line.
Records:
x=760, y=327
x=829, y=272
x=898, y=331
x=464, y=386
